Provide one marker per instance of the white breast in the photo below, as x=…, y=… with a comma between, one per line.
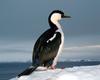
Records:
x=60, y=47
x=56, y=22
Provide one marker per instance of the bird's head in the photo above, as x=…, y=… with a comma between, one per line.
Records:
x=57, y=15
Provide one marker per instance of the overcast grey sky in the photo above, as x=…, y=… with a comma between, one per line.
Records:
x=27, y=19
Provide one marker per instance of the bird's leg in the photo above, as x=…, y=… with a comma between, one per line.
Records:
x=53, y=67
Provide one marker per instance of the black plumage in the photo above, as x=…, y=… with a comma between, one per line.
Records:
x=45, y=50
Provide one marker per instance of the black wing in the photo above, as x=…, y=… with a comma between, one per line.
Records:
x=45, y=50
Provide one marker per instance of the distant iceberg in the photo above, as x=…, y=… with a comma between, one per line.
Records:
x=74, y=73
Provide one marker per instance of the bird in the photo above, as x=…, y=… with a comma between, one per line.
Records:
x=49, y=45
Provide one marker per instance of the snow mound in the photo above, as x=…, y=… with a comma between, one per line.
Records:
x=75, y=73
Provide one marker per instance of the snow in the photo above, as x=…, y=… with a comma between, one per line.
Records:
x=74, y=73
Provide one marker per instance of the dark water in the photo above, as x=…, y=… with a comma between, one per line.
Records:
x=10, y=70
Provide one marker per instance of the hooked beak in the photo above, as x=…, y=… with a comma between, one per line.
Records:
x=64, y=16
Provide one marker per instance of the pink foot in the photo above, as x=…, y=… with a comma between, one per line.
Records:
x=53, y=67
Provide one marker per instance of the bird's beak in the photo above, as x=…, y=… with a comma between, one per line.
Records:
x=64, y=16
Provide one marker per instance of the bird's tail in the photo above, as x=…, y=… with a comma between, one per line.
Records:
x=28, y=71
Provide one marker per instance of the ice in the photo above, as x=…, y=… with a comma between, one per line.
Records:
x=74, y=73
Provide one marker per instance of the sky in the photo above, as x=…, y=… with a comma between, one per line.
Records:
x=23, y=21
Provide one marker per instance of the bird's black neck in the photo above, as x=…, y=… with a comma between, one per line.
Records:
x=52, y=25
